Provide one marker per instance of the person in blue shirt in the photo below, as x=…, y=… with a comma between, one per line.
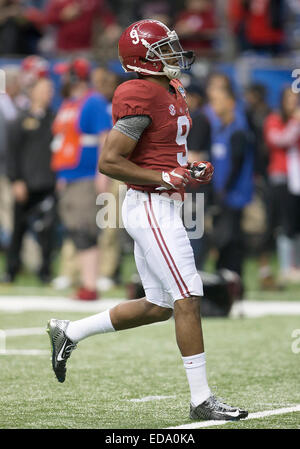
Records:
x=85, y=117
x=232, y=158
x=94, y=118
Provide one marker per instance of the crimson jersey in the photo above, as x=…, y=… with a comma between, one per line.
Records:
x=162, y=146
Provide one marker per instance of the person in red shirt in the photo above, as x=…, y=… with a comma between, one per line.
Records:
x=282, y=134
x=147, y=150
x=257, y=24
x=196, y=25
x=74, y=20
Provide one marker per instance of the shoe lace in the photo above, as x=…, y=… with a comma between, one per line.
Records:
x=218, y=402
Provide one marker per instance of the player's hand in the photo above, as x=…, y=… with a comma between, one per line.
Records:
x=175, y=179
x=201, y=172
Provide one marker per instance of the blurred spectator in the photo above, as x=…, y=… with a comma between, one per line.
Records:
x=258, y=24
x=13, y=101
x=10, y=30
x=77, y=21
x=257, y=110
x=28, y=168
x=156, y=10
x=79, y=128
x=11, y=104
x=282, y=132
x=199, y=139
x=259, y=212
x=129, y=11
x=219, y=80
x=231, y=156
x=105, y=82
x=292, y=23
x=199, y=145
x=4, y=187
x=18, y=35
x=216, y=80
x=110, y=242
x=196, y=26
x=33, y=67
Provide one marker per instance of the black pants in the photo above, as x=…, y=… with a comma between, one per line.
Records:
x=228, y=239
x=286, y=211
x=37, y=214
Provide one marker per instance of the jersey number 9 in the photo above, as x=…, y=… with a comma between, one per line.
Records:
x=183, y=128
x=134, y=36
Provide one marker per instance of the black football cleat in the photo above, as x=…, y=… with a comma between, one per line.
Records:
x=214, y=409
x=61, y=346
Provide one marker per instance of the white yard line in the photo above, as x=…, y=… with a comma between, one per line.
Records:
x=54, y=304
x=150, y=398
x=4, y=333
x=30, y=352
x=249, y=309
x=253, y=309
x=279, y=411
x=25, y=331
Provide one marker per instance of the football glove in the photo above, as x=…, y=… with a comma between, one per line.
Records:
x=176, y=179
x=201, y=172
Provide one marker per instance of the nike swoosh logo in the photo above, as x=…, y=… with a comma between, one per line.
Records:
x=232, y=414
x=59, y=355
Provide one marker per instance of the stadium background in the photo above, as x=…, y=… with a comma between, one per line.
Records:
x=250, y=353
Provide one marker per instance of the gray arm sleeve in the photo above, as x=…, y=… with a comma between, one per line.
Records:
x=133, y=126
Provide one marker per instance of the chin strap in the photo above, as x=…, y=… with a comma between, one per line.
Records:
x=170, y=73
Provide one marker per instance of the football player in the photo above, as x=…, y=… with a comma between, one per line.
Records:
x=147, y=150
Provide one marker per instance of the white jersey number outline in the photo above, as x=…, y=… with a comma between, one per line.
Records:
x=181, y=138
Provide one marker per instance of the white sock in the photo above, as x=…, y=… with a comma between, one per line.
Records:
x=195, y=367
x=95, y=324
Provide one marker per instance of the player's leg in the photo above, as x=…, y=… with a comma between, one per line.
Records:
x=64, y=335
x=168, y=256
x=175, y=267
x=188, y=327
x=126, y=315
x=189, y=339
x=138, y=312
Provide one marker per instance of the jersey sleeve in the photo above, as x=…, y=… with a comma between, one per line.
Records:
x=133, y=126
x=95, y=117
x=132, y=98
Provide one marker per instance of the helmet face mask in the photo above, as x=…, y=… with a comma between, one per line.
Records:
x=153, y=49
x=176, y=54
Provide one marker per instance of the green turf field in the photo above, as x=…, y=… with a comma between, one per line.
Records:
x=250, y=363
